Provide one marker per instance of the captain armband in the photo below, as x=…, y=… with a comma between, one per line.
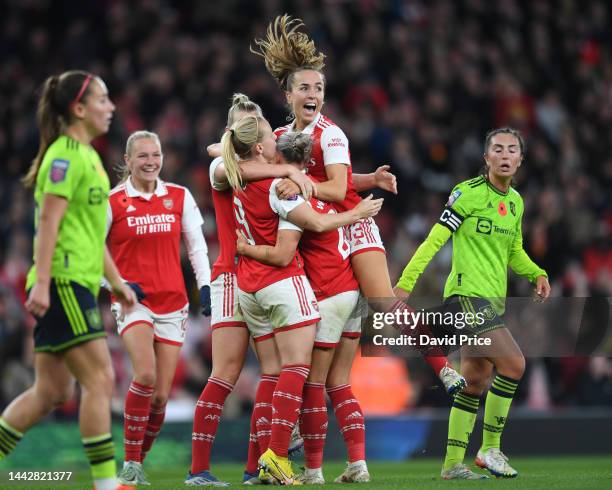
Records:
x=451, y=219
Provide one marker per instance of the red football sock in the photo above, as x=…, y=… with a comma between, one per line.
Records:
x=156, y=419
x=135, y=418
x=350, y=419
x=313, y=424
x=205, y=422
x=286, y=404
x=261, y=418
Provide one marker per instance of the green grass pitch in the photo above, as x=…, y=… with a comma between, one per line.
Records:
x=571, y=473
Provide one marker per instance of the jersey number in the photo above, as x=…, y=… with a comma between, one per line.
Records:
x=343, y=247
x=241, y=219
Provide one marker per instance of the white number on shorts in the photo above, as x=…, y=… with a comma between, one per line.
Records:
x=241, y=219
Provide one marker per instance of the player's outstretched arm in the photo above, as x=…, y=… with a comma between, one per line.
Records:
x=436, y=239
x=306, y=217
x=280, y=255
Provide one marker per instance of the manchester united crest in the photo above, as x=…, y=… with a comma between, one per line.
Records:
x=168, y=203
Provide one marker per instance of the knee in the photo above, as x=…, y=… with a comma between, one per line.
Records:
x=513, y=367
x=476, y=384
x=160, y=398
x=54, y=397
x=102, y=383
x=336, y=379
x=228, y=371
x=145, y=376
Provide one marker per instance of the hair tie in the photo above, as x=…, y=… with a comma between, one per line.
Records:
x=232, y=131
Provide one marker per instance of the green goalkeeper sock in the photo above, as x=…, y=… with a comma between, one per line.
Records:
x=460, y=426
x=497, y=406
x=9, y=438
x=100, y=452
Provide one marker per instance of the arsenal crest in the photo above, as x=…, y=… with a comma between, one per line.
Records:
x=168, y=203
x=512, y=208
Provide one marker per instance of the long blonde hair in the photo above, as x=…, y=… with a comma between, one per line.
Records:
x=238, y=142
x=286, y=51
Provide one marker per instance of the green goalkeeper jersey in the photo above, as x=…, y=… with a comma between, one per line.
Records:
x=74, y=171
x=485, y=224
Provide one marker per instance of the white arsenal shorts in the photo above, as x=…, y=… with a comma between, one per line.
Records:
x=226, y=310
x=364, y=236
x=168, y=328
x=281, y=306
x=352, y=328
x=336, y=313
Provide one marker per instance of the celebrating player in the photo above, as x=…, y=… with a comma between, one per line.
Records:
x=230, y=336
x=146, y=219
x=71, y=189
x=483, y=215
x=277, y=302
x=329, y=271
x=292, y=59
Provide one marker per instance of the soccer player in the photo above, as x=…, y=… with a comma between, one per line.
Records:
x=230, y=337
x=483, y=215
x=327, y=265
x=146, y=220
x=292, y=59
x=278, y=303
x=70, y=190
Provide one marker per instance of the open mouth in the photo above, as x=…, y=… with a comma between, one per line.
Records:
x=505, y=167
x=310, y=108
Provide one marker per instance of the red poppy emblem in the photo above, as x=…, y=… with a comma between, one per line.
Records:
x=501, y=209
x=125, y=201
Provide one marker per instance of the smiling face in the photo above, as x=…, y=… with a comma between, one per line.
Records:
x=145, y=162
x=305, y=96
x=503, y=156
x=96, y=109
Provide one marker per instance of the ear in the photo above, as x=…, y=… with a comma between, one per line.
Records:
x=78, y=110
x=258, y=148
x=288, y=96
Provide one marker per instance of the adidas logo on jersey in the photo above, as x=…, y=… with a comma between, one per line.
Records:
x=355, y=415
x=130, y=209
x=490, y=206
x=262, y=421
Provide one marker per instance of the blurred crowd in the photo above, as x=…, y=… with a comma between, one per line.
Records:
x=414, y=83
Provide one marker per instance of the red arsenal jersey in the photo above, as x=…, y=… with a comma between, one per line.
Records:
x=260, y=214
x=326, y=258
x=144, y=233
x=226, y=224
x=329, y=146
